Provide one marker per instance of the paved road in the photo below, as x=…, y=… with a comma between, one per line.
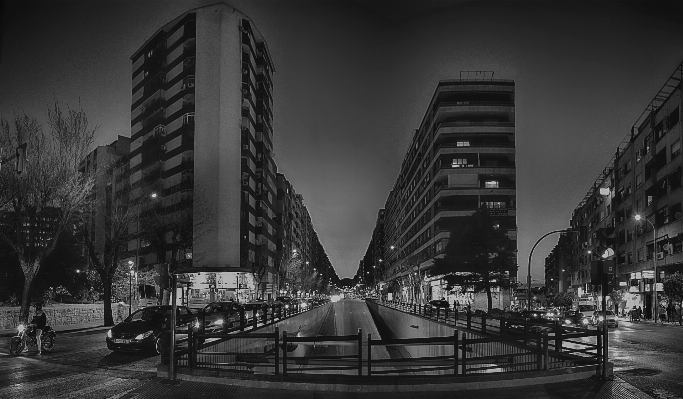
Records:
x=80, y=366
x=650, y=357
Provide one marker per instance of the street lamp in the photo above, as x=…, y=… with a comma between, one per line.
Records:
x=130, y=286
x=528, y=277
x=655, y=305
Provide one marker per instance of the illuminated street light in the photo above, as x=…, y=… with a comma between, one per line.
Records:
x=654, y=264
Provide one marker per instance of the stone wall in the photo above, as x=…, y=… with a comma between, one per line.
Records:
x=59, y=314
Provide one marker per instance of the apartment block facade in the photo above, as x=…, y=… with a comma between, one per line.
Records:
x=461, y=158
x=108, y=164
x=642, y=181
x=202, y=146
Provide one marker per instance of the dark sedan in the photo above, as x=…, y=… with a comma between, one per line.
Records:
x=140, y=331
x=221, y=317
x=433, y=307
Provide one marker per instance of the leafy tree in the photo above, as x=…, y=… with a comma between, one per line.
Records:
x=617, y=297
x=44, y=199
x=563, y=299
x=673, y=286
x=477, y=256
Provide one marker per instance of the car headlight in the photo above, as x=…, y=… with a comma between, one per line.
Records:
x=144, y=335
x=218, y=322
x=109, y=335
x=21, y=328
x=585, y=321
x=568, y=321
x=196, y=324
x=286, y=306
x=601, y=318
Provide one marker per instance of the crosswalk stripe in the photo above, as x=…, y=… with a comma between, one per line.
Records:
x=88, y=390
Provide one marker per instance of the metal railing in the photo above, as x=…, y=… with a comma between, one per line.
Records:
x=481, y=344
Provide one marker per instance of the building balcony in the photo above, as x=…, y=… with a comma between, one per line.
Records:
x=474, y=109
x=445, y=189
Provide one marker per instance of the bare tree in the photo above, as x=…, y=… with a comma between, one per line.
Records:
x=44, y=200
x=115, y=235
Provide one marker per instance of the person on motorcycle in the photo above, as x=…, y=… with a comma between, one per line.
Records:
x=39, y=321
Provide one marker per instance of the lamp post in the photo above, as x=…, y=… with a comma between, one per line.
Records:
x=528, y=277
x=130, y=286
x=655, y=305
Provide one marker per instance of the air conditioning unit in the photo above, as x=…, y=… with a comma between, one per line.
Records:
x=163, y=147
x=245, y=147
x=245, y=71
x=660, y=255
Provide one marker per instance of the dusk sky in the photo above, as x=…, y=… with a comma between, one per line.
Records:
x=353, y=79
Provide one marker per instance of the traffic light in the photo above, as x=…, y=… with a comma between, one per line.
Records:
x=602, y=274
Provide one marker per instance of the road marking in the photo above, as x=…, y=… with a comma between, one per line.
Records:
x=42, y=383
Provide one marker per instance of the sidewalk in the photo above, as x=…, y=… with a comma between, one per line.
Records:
x=63, y=329
x=585, y=389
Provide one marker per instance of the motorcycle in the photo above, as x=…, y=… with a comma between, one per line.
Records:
x=18, y=343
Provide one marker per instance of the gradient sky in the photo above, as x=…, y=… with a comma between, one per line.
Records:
x=353, y=79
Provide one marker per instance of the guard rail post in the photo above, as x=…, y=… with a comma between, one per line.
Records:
x=546, y=359
x=558, y=336
x=369, y=355
x=469, y=320
x=243, y=320
x=455, y=352
x=483, y=323
x=284, y=353
x=254, y=318
x=464, y=354
x=539, y=352
x=360, y=352
x=277, y=351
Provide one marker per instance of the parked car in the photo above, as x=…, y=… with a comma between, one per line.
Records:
x=286, y=301
x=597, y=318
x=536, y=320
x=219, y=317
x=436, y=306
x=259, y=305
x=140, y=331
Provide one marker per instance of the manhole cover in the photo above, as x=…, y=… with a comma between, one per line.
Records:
x=640, y=372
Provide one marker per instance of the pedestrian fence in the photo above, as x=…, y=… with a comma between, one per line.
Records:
x=479, y=344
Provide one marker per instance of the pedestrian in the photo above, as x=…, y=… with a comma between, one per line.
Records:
x=632, y=314
x=120, y=311
x=661, y=311
x=670, y=312
x=639, y=313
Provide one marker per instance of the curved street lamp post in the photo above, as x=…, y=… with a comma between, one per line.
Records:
x=528, y=302
x=655, y=304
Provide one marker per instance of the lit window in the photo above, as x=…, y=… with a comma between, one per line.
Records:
x=459, y=163
x=188, y=118
x=491, y=184
x=463, y=144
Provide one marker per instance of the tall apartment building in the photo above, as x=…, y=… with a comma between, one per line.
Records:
x=643, y=178
x=201, y=122
x=460, y=159
x=202, y=140
x=371, y=267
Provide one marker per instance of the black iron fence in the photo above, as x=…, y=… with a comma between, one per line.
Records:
x=480, y=344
